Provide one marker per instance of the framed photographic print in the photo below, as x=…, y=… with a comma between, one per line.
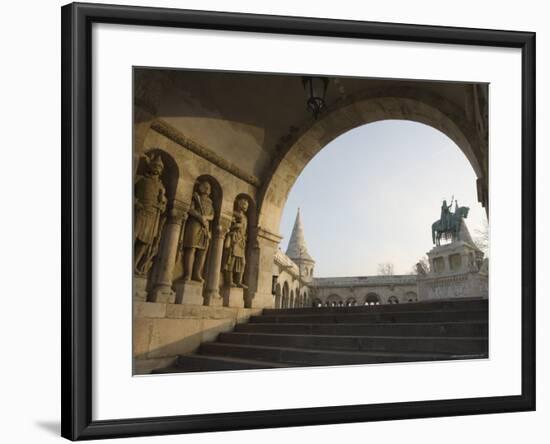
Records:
x=279, y=221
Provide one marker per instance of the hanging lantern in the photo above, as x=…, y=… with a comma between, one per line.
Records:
x=316, y=89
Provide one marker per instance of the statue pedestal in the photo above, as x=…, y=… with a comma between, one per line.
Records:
x=233, y=297
x=454, y=273
x=140, y=288
x=189, y=292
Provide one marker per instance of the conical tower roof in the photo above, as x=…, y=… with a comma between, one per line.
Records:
x=297, y=248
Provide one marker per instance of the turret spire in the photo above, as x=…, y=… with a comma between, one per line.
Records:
x=297, y=248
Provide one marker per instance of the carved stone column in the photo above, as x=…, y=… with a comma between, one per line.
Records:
x=212, y=294
x=162, y=291
x=260, y=274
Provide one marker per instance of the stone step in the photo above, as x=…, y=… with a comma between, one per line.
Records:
x=309, y=357
x=457, y=345
x=192, y=362
x=442, y=329
x=382, y=317
x=463, y=304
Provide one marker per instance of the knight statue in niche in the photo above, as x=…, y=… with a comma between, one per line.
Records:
x=149, y=214
x=235, y=246
x=196, y=238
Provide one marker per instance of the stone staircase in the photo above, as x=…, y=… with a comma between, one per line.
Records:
x=299, y=337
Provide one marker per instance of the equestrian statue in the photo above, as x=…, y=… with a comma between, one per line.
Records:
x=448, y=225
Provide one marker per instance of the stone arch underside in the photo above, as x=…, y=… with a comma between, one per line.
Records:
x=398, y=104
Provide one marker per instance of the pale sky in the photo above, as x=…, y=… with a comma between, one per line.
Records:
x=372, y=194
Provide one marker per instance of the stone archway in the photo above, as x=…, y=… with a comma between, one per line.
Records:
x=460, y=123
x=372, y=299
x=286, y=295
x=334, y=300
x=411, y=296
x=404, y=103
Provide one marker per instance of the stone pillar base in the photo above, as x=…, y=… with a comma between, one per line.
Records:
x=189, y=292
x=233, y=297
x=140, y=288
x=212, y=298
x=262, y=300
x=163, y=294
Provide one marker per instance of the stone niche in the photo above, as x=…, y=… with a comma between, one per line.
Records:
x=455, y=261
x=438, y=264
x=154, y=198
x=455, y=272
x=192, y=270
x=238, y=267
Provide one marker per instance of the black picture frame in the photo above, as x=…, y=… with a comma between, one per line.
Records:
x=76, y=358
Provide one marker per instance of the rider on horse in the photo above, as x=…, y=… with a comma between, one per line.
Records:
x=445, y=218
x=448, y=225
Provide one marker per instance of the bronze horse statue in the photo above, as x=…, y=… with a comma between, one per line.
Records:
x=453, y=230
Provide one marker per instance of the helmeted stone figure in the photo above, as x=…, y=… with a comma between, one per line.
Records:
x=235, y=246
x=197, y=233
x=149, y=208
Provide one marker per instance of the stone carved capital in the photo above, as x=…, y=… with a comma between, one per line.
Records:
x=177, y=212
x=222, y=228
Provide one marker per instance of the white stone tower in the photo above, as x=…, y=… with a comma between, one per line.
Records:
x=297, y=250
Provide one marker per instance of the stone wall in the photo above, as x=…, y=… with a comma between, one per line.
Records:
x=163, y=331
